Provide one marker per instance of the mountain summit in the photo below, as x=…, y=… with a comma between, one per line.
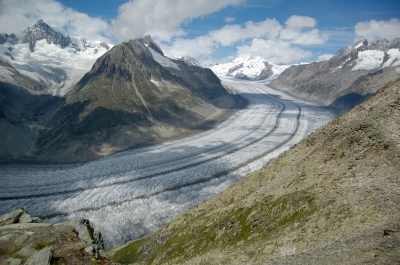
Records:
x=42, y=31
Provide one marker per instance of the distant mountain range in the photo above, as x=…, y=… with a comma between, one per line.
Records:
x=249, y=68
x=132, y=95
x=348, y=78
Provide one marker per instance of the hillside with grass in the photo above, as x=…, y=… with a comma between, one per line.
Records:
x=332, y=199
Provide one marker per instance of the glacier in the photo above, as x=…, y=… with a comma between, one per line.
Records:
x=135, y=192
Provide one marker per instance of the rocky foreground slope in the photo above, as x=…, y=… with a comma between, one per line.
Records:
x=348, y=78
x=332, y=199
x=28, y=240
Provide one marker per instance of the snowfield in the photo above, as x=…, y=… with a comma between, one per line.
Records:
x=133, y=193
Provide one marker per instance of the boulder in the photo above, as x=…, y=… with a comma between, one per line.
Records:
x=25, y=218
x=26, y=251
x=12, y=261
x=43, y=257
x=11, y=218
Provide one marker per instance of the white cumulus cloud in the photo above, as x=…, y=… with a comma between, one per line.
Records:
x=275, y=51
x=198, y=47
x=138, y=17
x=230, y=34
x=300, y=30
x=17, y=15
x=300, y=22
x=324, y=57
x=267, y=38
x=376, y=30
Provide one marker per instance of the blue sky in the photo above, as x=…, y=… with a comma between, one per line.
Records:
x=282, y=31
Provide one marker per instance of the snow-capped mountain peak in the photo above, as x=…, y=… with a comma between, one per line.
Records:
x=150, y=43
x=41, y=31
x=188, y=60
x=378, y=54
x=50, y=56
x=249, y=68
x=367, y=56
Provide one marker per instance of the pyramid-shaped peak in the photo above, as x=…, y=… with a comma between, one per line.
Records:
x=41, y=31
x=40, y=23
x=149, y=42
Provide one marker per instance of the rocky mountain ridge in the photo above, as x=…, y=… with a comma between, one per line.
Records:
x=331, y=199
x=41, y=31
x=348, y=78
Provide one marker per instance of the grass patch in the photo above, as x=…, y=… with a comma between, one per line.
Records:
x=128, y=254
x=58, y=261
x=42, y=245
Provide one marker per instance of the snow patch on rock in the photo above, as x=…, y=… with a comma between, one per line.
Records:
x=369, y=60
x=164, y=61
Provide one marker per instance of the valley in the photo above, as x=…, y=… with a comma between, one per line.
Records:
x=199, y=132
x=132, y=193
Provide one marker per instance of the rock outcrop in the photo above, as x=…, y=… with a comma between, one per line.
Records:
x=331, y=199
x=28, y=240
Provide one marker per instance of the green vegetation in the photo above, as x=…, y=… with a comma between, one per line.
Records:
x=127, y=254
x=229, y=230
x=13, y=253
x=42, y=245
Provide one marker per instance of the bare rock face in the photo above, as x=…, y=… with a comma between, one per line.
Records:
x=352, y=75
x=11, y=218
x=331, y=199
x=27, y=240
x=42, y=257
